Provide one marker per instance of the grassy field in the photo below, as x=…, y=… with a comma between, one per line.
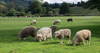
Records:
x=9, y=42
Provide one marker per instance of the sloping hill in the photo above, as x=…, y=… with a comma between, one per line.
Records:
x=82, y=11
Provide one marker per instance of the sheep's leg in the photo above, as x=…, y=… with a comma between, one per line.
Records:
x=32, y=36
x=44, y=38
x=83, y=41
x=61, y=41
x=39, y=40
x=68, y=39
x=51, y=35
x=31, y=23
x=89, y=42
x=51, y=39
x=80, y=43
x=86, y=41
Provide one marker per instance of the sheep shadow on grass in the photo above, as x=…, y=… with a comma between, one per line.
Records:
x=50, y=43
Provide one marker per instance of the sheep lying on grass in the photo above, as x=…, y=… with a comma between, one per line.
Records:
x=25, y=32
x=63, y=33
x=33, y=22
x=57, y=21
x=53, y=27
x=70, y=19
x=44, y=33
x=81, y=36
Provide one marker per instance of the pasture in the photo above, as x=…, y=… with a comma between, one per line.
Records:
x=10, y=27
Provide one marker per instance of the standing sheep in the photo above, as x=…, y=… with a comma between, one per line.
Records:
x=24, y=33
x=81, y=36
x=44, y=33
x=53, y=27
x=63, y=32
x=57, y=21
x=33, y=22
x=70, y=19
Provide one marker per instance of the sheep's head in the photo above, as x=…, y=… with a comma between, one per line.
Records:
x=57, y=33
x=74, y=42
x=39, y=38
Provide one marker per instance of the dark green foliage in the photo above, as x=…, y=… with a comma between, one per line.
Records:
x=35, y=8
x=55, y=5
x=92, y=4
x=12, y=12
x=20, y=14
x=48, y=8
x=64, y=9
x=80, y=4
x=3, y=9
x=43, y=10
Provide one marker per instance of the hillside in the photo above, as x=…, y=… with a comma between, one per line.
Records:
x=82, y=11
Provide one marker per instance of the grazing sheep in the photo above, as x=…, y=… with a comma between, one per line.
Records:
x=63, y=32
x=25, y=32
x=53, y=27
x=44, y=33
x=70, y=19
x=57, y=21
x=81, y=36
x=33, y=22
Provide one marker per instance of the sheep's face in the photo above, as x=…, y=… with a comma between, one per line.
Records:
x=57, y=33
x=39, y=38
x=74, y=42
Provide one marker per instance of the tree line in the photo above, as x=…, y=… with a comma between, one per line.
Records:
x=36, y=8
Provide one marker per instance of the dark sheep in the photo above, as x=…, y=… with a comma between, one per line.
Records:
x=53, y=27
x=70, y=19
x=24, y=33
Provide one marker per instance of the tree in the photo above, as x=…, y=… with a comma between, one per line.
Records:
x=55, y=5
x=12, y=12
x=92, y=4
x=56, y=11
x=2, y=3
x=3, y=9
x=64, y=9
x=48, y=8
x=11, y=4
x=79, y=4
x=43, y=10
x=35, y=8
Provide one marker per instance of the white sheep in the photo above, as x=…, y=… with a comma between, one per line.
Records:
x=81, y=36
x=57, y=21
x=63, y=33
x=33, y=22
x=44, y=33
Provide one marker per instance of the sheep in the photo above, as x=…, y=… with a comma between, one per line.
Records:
x=81, y=36
x=44, y=33
x=33, y=22
x=25, y=32
x=53, y=27
x=70, y=19
x=57, y=21
x=61, y=33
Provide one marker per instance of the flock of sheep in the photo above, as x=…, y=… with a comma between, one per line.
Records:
x=46, y=32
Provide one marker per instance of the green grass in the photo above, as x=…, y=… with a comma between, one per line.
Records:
x=9, y=28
